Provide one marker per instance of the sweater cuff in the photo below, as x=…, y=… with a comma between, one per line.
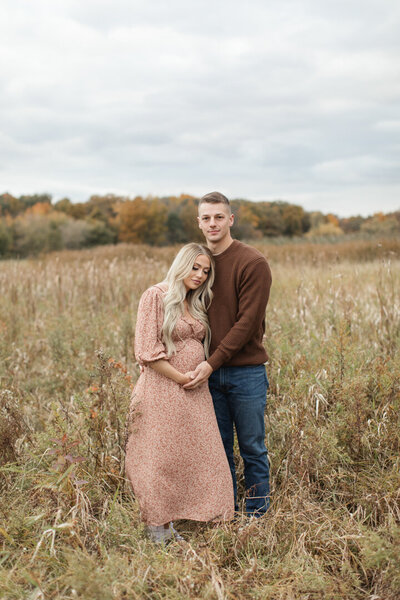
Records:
x=216, y=360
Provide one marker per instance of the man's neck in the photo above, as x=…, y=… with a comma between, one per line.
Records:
x=220, y=246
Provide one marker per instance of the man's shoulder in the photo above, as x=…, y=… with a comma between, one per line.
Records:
x=247, y=254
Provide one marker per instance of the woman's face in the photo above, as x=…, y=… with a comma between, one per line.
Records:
x=199, y=273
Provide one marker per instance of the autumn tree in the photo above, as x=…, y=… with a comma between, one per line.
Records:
x=332, y=219
x=142, y=221
x=40, y=209
x=270, y=220
x=246, y=223
x=132, y=220
x=377, y=225
x=156, y=231
x=102, y=208
x=78, y=210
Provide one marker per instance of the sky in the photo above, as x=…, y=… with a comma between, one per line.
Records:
x=296, y=100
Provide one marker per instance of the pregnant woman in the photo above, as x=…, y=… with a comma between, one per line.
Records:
x=175, y=459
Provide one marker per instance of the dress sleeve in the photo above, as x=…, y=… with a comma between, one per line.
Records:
x=150, y=317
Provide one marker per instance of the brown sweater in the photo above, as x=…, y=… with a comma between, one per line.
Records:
x=237, y=313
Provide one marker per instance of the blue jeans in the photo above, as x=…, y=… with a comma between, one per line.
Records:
x=239, y=396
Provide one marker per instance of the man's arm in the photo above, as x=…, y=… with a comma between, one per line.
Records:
x=201, y=373
x=253, y=298
x=252, y=302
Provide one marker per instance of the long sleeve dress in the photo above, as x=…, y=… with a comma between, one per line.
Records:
x=175, y=459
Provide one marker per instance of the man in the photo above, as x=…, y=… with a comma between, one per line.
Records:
x=235, y=367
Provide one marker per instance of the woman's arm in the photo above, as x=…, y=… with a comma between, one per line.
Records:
x=149, y=348
x=163, y=367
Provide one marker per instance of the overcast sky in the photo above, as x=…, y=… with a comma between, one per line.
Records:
x=294, y=100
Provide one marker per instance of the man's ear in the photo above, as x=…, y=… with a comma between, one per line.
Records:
x=231, y=220
x=198, y=222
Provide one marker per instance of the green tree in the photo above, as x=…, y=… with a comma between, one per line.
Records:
x=99, y=233
x=9, y=205
x=32, y=199
x=188, y=215
x=293, y=217
x=175, y=231
x=64, y=205
x=5, y=239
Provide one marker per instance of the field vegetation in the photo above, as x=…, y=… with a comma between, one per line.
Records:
x=69, y=526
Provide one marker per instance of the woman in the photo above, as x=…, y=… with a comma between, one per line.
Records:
x=175, y=459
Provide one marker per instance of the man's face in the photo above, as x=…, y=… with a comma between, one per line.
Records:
x=215, y=221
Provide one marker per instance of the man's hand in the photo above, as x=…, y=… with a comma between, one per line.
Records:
x=201, y=373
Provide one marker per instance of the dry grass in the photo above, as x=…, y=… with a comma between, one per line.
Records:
x=68, y=525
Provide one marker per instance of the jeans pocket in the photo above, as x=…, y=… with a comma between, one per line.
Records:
x=266, y=380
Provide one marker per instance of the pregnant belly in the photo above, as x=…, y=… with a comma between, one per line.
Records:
x=189, y=353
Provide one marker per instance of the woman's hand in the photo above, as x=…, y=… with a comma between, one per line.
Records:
x=185, y=377
x=163, y=367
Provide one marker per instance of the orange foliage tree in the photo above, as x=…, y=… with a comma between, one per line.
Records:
x=40, y=208
x=142, y=221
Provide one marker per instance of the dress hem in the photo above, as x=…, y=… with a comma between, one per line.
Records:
x=218, y=519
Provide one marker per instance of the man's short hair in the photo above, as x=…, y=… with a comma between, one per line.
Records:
x=214, y=198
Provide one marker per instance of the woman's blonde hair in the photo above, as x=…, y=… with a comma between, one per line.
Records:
x=198, y=300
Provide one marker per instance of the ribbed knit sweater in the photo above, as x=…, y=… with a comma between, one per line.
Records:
x=237, y=312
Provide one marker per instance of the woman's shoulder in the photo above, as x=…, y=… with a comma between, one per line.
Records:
x=158, y=289
x=162, y=287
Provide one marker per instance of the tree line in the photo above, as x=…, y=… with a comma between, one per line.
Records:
x=31, y=224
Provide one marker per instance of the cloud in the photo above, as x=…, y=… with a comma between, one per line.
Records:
x=297, y=100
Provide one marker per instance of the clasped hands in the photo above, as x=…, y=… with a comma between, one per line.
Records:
x=195, y=378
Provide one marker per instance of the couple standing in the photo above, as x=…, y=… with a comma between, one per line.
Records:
x=175, y=460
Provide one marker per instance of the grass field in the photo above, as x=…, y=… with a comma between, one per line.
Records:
x=69, y=527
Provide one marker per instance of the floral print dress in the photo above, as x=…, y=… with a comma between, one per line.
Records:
x=175, y=459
